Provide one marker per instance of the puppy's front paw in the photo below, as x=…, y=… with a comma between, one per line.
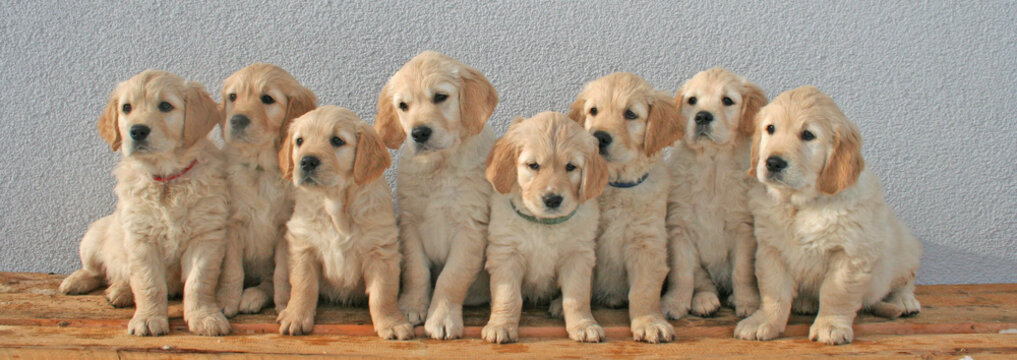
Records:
x=444, y=324
x=399, y=330
x=414, y=309
x=756, y=327
x=652, y=329
x=672, y=307
x=745, y=305
x=705, y=303
x=555, y=310
x=586, y=331
x=228, y=301
x=501, y=333
x=831, y=331
x=292, y=322
x=208, y=323
x=908, y=302
x=120, y=295
x=80, y=282
x=148, y=325
x=253, y=300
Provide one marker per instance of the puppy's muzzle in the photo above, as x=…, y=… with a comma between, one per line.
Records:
x=775, y=164
x=603, y=141
x=239, y=122
x=421, y=134
x=139, y=132
x=552, y=201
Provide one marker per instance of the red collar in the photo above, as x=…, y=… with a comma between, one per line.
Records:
x=168, y=178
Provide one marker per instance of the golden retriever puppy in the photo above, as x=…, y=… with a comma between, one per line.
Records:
x=167, y=234
x=259, y=102
x=826, y=235
x=632, y=122
x=443, y=196
x=343, y=241
x=545, y=171
x=708, y=218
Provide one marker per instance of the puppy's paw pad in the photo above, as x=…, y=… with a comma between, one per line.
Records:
x=148, y=326
x=756, y=327
x=652, y=329
x=500, y=333
x=253, y=301
x=831, y=332
x=587, y=331
x=211, y=323
x=705, y=304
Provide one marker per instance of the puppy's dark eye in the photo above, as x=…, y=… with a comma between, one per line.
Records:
x=770, y=129
x=593, y=111
x=438, y=98
x=631, y=115
x=808, y=135
x=533, y=166
x=165, y=107
x=727, y=101
x=233, y=97
x=569, y=167
x=337, y=142
x=403, y=106
x=299, y=141
x=126, y=108
x=692, y=100
x=265, y=99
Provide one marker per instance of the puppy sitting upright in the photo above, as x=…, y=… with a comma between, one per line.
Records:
x=167, y=234
x=443, y=196
x=708, y=218
x=259, y=102
x=632, y=122
x=342, y=237
x=826, y=236
x=543, y=226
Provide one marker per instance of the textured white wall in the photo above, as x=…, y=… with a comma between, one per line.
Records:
x=932, y=86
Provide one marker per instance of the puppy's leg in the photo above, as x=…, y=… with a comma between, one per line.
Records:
x=646, y=264
x=840, y=297
x=506, y=298
x=745, y=292
x=148, y=283
x=200, y=268
x=231, y=280
x=575, y=280
x=706, y=301
x=416, y=276
x=90, y=277
x=465, y=260
x=382, y=281
x=680, y=281
x=305, y=270
x=281, y=276
x=777, y=289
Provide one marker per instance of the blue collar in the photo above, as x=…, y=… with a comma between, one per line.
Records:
x=625, y=185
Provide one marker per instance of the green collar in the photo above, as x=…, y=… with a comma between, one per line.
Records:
x=257, y=168
x=542, y=221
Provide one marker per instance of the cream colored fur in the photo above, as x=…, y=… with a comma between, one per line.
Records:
x=343, y=241
x=827, y=239
x=443, y=196
x=165, y=238
x=712, y=246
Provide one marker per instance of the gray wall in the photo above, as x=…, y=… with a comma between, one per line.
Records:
x=931, y=85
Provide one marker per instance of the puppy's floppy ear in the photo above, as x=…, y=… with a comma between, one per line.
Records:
x=299, y=101
x=679, y=101
x=594, y=176
x=501, y=165
x=372, y=158
x=664, y=125
x=754, y=151
x=477, y=99
x=108, y=129
x=286, y=156
x=387, y=122
x=753, y=99
x=201, y=114
x=845, y=163
x=576, y=112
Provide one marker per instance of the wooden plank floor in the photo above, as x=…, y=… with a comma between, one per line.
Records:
x=35, y=322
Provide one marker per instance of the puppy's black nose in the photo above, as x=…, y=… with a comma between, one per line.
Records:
x=603, y=139
x=239, y=122
x=308, y=163
x=421, y=134
x=140, y=132
x=703, y=118
x=775, y=164
x=552, y=201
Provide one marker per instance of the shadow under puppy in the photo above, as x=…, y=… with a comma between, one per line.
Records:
x=443, y=105
x=259, y=103
x=708, y=218
x=545, y=170
x=826, y=236
x=632, y=122
x=167, y=234
x=343, y=241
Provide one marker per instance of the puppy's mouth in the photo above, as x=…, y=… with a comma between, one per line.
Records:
x=308, y=179
x=704, y=132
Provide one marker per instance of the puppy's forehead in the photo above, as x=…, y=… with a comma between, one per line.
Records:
x=259, y=78
x=406, y=86
x=618, y=89
x=153, y=85
x=327, y=120
x=553, y=135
